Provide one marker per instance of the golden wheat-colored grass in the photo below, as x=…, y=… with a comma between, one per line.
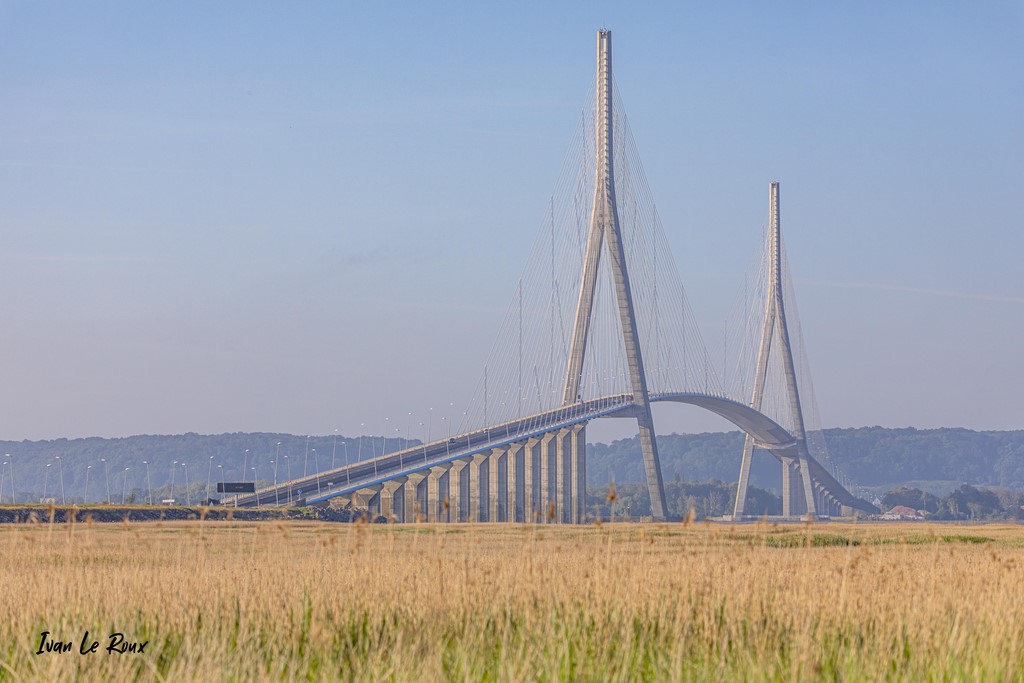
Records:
x=308, y=601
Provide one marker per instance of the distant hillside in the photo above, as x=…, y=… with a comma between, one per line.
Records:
x=936, y=460
x=214, y=456
x=873, y=457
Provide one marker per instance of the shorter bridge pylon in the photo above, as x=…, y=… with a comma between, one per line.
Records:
x=798, y=496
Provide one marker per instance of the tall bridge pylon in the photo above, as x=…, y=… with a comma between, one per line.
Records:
x=605, y=235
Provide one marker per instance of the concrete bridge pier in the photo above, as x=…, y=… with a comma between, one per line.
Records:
x=799, y=494
x=437, y=493
x=539, y=480
x=458, y=491
x=790, y=491
x=835, y=509
x=531, y=481
x=478, y=493
x=826, y=502
x=497, y=481
x=415, y=505
x=342, y=502
x=391, y=503
x=368, y=499
x=548, y=451
x=514, y=483
x=563, y=476
x=578, y=474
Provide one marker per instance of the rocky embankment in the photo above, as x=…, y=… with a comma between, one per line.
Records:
x=61, y=514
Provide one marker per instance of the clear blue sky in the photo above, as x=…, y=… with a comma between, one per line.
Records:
x=283, y=217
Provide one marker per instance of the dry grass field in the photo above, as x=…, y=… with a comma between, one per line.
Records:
x=311, y=601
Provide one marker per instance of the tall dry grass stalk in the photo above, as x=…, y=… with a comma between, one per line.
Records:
x=297, y=601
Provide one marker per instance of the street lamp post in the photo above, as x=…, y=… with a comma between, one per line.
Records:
x=348, y=472
x=424, y=445
x=220, y=474
x=277, y=494
x=277, y=459
x=149, y=482
x=245, y=463
x=373, y=456
x=46, y=475
x=305, y=458
x=254, y=486
x=209, y=472
x=401, y=451
x=106, y=478
x=85, y=498
x=288, y=468
x=334, y=451
x=447, y=443
x=359, y=450
x=188, y=497
x=174, y=468
x=60, y=467
x=408, y=429
x=316, y=464
x=124, y=484
x=14, y=492
x=3, y=471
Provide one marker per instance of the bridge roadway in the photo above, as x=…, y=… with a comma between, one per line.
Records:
x=328, y=484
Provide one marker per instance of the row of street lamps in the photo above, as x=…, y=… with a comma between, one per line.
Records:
x=9, y=463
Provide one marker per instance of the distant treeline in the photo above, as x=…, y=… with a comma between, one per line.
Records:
x=706, y=499
x=715, y=498
x=871, y=456
x=965, y=503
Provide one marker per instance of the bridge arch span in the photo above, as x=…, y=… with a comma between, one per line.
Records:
x=768, y=434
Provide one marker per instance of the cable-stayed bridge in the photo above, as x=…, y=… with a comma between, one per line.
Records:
x=600, y=326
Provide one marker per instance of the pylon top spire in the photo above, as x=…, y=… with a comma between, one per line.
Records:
x=604, y=127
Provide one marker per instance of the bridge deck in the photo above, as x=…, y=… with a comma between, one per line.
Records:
x=347, y=479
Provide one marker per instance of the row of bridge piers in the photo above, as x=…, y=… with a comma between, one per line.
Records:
x=541, y=479
x=794, y=496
